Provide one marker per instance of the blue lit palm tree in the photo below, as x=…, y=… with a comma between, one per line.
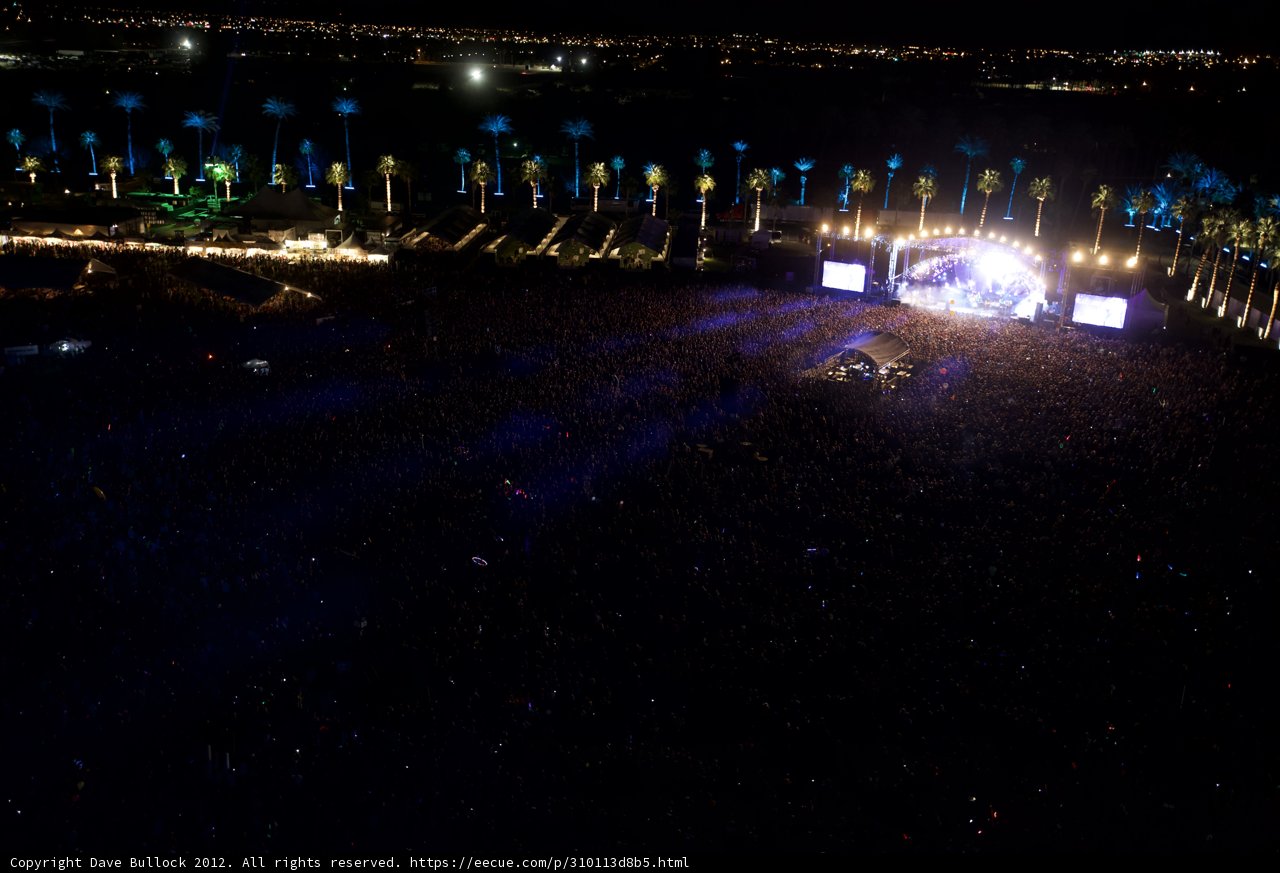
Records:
x=53, y=101
x=576, y=129
x=129, y=101
x=740, y=149
x=846, y=176
x=776, y=175
x=235, y=154
x=345, y=107
x=971, y=147
x=617, y=163
x=704, y=161
x=307, y=148
x=1165, y=196
x=16, y=138
x=1017, y=165
x=804, y=165
x=88, y=140
x=894, y=163
x=165, y=147
x=462, y=157
x=279, y=109
x=496, y=125
x=202, y=121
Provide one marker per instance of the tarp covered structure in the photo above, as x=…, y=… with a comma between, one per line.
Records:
x=294, y=205
x=1145, y=314
x=230, y=282
x=645, y=230
x=589, y=228
x=879, y=347
x=49, y=274
x=455, y=225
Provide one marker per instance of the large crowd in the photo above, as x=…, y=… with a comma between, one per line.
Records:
x=540, y=560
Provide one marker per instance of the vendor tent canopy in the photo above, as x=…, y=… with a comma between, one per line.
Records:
x=880, y=347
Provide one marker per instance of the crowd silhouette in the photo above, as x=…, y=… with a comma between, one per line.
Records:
x=531, y=560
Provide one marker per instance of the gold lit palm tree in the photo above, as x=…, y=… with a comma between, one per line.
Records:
x=387, y=167
x=1103, y=199
x=337, y=176
x=861, y=182
x=1041, y=190
x=988, y=183
x=597, y=175
x=113, y=165
x=480, y=175
x=758, y=180
x=705, y=185
x=926, y=188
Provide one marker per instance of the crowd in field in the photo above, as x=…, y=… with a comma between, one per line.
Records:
x=530, y=558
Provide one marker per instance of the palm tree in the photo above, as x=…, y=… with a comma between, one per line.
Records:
x=406, y=172
x=894, y=163
x=129, y=101
x=1212, y=229
x=16, y=139
x=926, y=188
x=387, y=166
x=988, y=182
x=480, y=175
x=740, y=149
x=175, y=168
x=1184, y=166
x=845, y=173
x=1141, y=203
x=532, y=172
x=345, y=107
x=282, y=175
x=1181, y=210
x=337, y=175
x=165, y=148
x=617, y=163
x=1041, y=190
x=1017, y=165
x=279, y=109
x=804, y=165
x=223, y=172
x=971, y=147
x=1240, y=234
x=496, y=125
x=307, y=148
x=597, y=175
x=235, y=154
x=32, y=165
x=655, y=176
x=1264, y=232
x=462, y=157
x=88, y=140
x=759, y=180
x=1219, y=239
x=705, y=184
x=52, y=101
x=1103, y=199
x=202, y=121
x=862, y=182
x=704, y=161
x=576, y=129
x=112, y=165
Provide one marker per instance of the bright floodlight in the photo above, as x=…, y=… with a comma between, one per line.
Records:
x=868, y=233
x=824, y=227
x=186, y=43
x=1104, y=260
x=1078, y=256
x=476, y=75
x=997, y=265
x=846, y=230
x=1132, y=262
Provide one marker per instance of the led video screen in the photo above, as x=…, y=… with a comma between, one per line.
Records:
x=844, y=277
x=1102, y=311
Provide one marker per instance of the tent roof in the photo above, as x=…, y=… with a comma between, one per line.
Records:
x=294, y=205
x=228, y=281
x=531, y=226
x=880, y=347
x=650, y=232
x=589, y=228
x=453, y=225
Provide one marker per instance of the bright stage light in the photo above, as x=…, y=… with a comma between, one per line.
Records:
x=476, y=75
x=846, y=230
x=868, y=233
x=1103, y=260
x=1077, y=257
x=948, y=229
x=1132, y=262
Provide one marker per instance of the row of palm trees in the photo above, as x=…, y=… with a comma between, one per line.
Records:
x=201, y=121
